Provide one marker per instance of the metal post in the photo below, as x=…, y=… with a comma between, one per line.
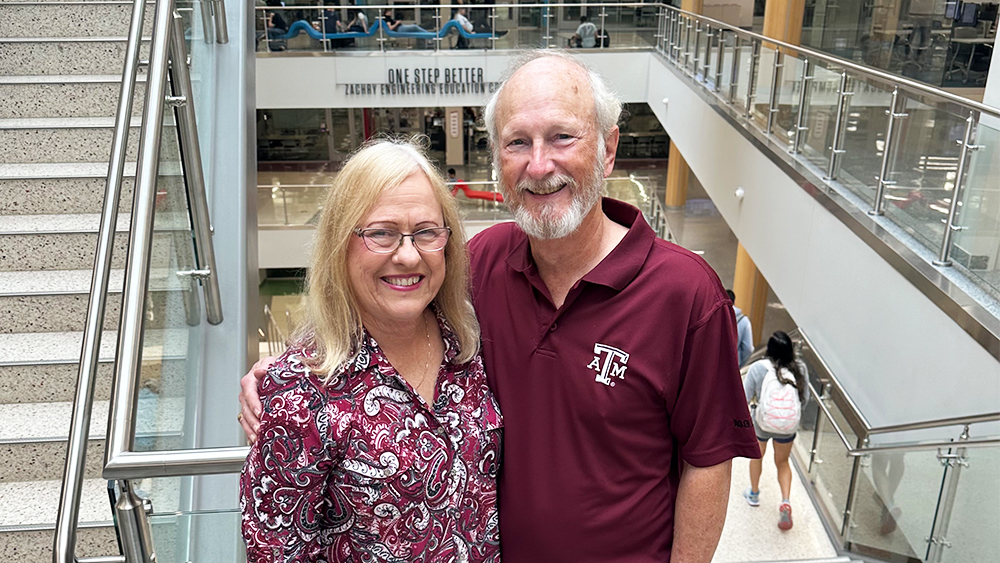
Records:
x=852, y=492
x=493, y=27
x=381, y=33
x=752, y=76
x=772, y=103
x=837, y=148
x=206, y=21
x=548, y=35
x=604, y=15
x=284, y=205
x=194, y=175
x=322, y=30
x=953, y=464
x=944, y=257
x=267, y=38
x=696, y=59
x=890, y=131
x=800, y=127
x=437, y=28
x=672, y=46
x=221, y=27
x=721, y=41
x=734, y=71
x=706, y=63
x=659, y=30
x=687, y=43
x=133, y=526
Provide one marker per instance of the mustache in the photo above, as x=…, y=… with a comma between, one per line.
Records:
x=546, y=184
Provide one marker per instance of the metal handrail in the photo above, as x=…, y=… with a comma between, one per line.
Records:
x=194, y=175
x=64, y=541
x=880, y=75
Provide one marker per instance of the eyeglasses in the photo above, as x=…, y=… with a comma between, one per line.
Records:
x=386, y=241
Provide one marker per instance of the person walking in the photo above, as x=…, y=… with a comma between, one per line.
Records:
x=778, y=381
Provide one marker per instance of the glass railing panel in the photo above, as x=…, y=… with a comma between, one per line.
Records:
x=924, y=170
x=743, y=74
x=832, y=466
x=974, y=528
x=729, y=55
x=822, y=99
x=895, y=501
x=976, y=245
x=789, y=84
x=713, y=58
x=289, y=206
x=864, y=129
x=762, y=84
x=172, y=323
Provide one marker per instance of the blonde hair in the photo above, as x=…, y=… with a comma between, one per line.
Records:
x=333, y=326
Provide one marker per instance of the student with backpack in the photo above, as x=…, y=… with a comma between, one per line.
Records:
x=778, y=381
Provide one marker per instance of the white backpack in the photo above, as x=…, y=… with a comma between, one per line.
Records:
x=778, y=408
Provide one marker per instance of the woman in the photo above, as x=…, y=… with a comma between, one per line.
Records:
x=379, y=439
x=779, y=384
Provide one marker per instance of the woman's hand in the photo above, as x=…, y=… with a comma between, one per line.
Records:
x=250, y=407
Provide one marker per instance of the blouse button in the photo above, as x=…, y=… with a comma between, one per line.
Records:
x=440, y=431
x=553, y=327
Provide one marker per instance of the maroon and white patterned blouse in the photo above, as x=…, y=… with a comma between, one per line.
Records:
x=363, y=469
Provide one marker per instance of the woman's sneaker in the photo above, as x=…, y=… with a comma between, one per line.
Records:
x=785, y=516
x=753, y=499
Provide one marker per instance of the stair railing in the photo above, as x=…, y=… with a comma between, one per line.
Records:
x=167, y=45
x=953, y=459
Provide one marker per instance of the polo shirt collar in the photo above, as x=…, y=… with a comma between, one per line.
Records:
x=620, y=266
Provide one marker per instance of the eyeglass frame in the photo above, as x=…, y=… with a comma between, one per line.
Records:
x=361, y=233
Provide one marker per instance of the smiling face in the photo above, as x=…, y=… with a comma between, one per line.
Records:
x=393, y=289
x=551, y=160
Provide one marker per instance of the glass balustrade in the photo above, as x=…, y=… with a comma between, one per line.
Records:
x=172, y=324
x=832, y=466
x=974, y=527
x=976, y=245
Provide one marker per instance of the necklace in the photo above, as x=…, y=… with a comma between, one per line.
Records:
x=430, y=352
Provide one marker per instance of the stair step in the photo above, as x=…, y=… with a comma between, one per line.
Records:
x=33, y=544
x=65, y=96
x=70, y=19
x=60, y=56
x=26, y=349
x=68, y=242
x=70, y=139
x=57, y=300
x=33, y=438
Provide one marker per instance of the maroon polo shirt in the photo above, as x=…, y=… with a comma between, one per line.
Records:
x=605, y=397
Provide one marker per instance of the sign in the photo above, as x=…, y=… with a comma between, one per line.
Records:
x=408, y=81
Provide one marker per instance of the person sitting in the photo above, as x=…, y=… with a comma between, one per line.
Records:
x=358, y=23
x=331, y=24
x=464, y=23
x=275, y=28
x=587, y=32
x=399, y=26
x=378, y=433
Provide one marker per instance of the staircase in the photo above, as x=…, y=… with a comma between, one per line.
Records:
x=60, y=73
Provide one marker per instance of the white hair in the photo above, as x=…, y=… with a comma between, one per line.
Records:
x=607, y=104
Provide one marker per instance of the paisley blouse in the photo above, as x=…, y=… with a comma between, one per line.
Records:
x=362, y=469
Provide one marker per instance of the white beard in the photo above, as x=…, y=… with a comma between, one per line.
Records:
x=546, y=223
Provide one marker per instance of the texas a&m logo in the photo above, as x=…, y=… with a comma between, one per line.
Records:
x=608, y=362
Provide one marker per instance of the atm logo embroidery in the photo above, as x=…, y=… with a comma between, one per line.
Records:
x=609, y=362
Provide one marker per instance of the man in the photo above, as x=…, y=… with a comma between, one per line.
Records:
x=587, y=32
x=744, y=332
x=463, y=42
x=611, y=352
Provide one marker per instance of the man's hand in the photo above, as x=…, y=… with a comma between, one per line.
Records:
x=250, y=407
x=700, y=512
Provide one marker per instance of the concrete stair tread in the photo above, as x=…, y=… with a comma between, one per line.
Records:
x=93, y=39
x=36, y=503
x=65, y=282
x=34, y=422
x=83, y=223
x=66, y=78
x=64, y=347
x=64, y=122
x=42, y=170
